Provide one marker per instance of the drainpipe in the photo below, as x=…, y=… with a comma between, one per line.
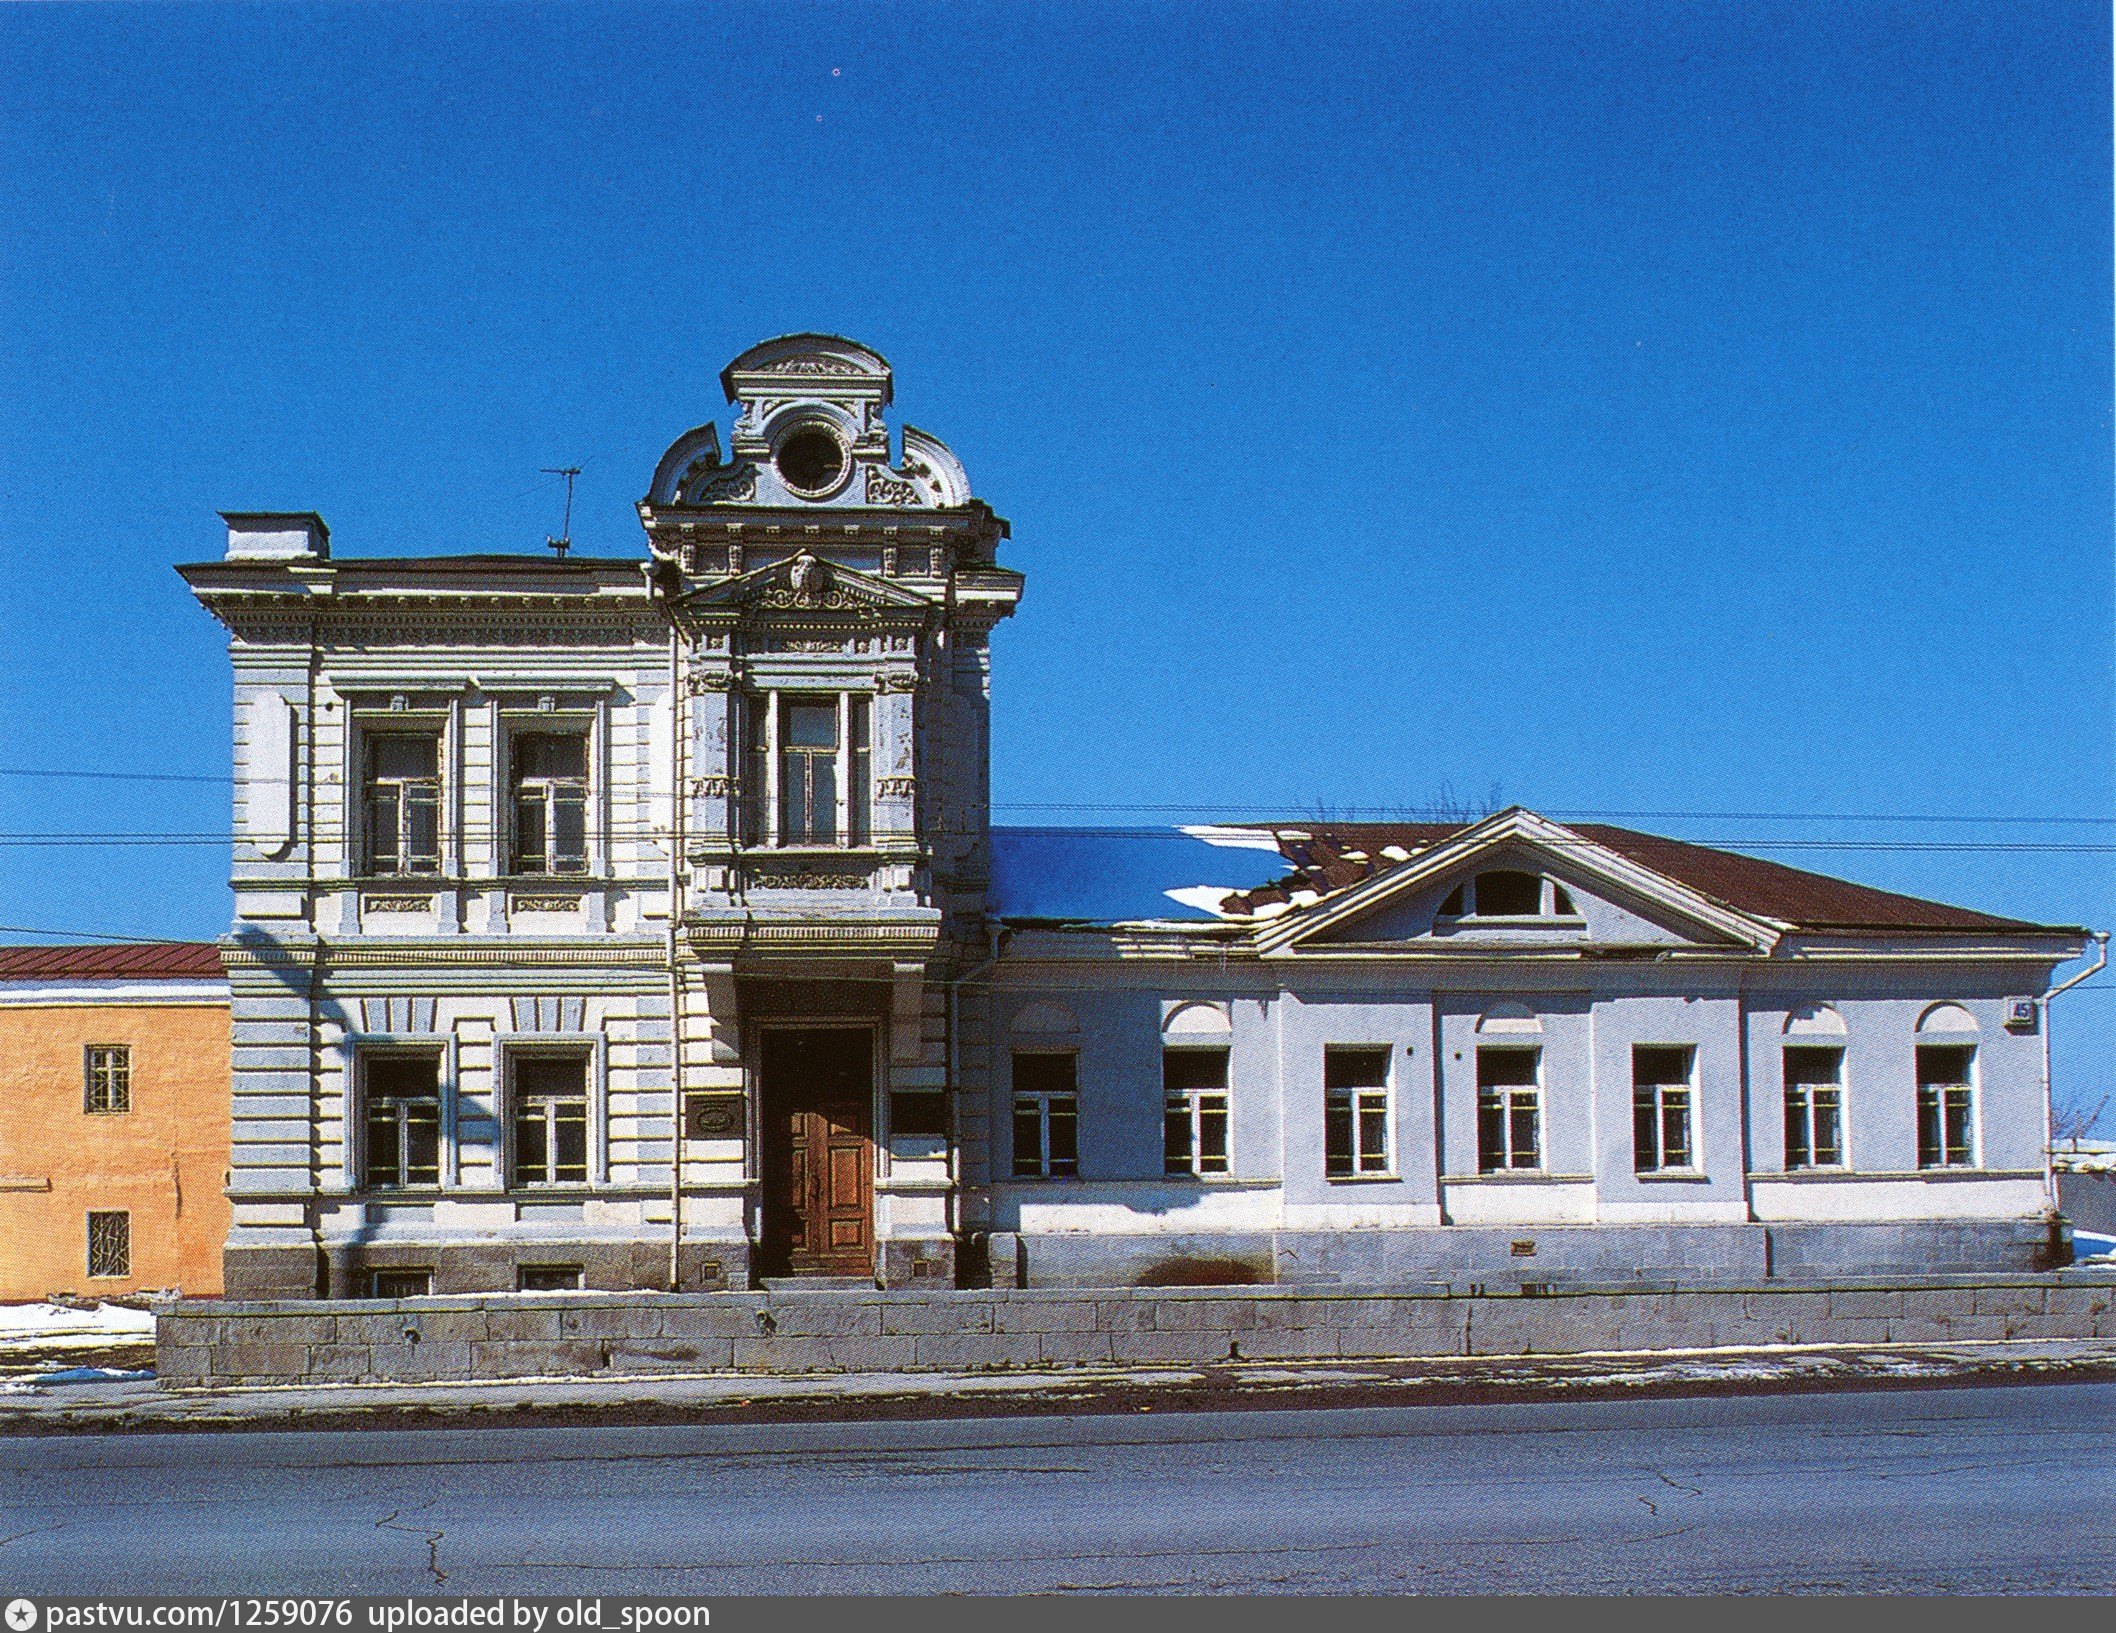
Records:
x=676, y=842
x=955, y=986
x=2101, y=961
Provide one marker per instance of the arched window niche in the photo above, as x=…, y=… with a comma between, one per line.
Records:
x=1509, y=893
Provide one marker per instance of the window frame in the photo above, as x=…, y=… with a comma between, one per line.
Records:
x=1938, y=1157
x=1801, y=1112
x=366, y=1054
x=124, y=1217
x=1195, y=1104
x=512, y=1058
x=1509, y=1111
x=766, y=761
x=1554, y=901
x=518, y=731
x=1040, y=1104
x=1687, y=1087
x=368, y=731
x=1355, y=1098
x=115, y=1086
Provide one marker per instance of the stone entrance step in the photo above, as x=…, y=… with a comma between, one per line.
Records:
x=817, y=1284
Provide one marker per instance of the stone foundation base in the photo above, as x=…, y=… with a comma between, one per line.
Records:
x=505, y=1267
x=640, y=1334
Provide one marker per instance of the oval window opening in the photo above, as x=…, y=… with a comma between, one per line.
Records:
x=811, y=461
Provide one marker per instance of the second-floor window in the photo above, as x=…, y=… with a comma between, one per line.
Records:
x=811, y=760
x=551, y=802
x=402, y=785
x=1194, y=1115
x=1814, y=1098
x=403, y=1119
x=108, y=1086
x=1661, y=1095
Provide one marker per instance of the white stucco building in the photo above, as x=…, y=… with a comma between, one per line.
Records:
x=633, y=923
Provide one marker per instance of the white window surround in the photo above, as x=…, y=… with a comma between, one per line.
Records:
x=349, y=1056
x=511, y=720
x=1362, y=1102
x=507, y=1047
x=763, y=747
x=1667, y=1098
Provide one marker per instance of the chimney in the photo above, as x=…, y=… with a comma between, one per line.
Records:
x=269, y=535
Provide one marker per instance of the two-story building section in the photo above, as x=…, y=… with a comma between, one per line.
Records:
x=631, y=923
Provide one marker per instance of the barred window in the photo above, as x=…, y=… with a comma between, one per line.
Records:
x=1355, y=1111
x=399, y=1283
x=108, y=1086
x=1194, y=1115
x=1509, y=1109
x=550, y=1120
x=1946, y=1105
x=1814, y=1096
x=1661, y=1092
x=403, y=1119
x=110, y=1244
x=1046, y=1116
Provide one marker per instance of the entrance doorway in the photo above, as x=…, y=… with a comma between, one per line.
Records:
x=817, y=1151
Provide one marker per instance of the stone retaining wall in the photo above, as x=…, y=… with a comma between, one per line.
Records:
x=201, y=1343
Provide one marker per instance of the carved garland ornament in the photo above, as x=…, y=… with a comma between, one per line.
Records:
x=896, y=787
x=884, y=489
x=702, y=681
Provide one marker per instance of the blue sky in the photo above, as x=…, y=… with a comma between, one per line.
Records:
x=1638, y=407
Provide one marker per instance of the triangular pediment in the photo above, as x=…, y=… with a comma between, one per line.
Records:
x=1601, y=898
x=805, y=583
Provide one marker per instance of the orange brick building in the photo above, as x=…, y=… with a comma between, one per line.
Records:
x=114, y=1109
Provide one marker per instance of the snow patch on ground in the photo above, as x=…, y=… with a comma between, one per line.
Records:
x=38, y=1324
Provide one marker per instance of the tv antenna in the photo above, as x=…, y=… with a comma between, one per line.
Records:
x=564, y=541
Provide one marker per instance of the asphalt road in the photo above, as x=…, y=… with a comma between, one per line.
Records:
x=1919, y=1490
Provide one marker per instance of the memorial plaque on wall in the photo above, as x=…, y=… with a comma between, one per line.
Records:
x=712, y=1117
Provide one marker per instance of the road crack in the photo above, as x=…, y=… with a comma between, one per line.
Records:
x=388, y=1522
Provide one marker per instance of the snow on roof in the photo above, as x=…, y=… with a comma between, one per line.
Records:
x=1113, y=875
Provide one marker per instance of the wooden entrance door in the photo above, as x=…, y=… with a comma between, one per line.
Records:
x=818, y=1151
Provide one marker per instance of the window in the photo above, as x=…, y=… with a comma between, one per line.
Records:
x=1194, y=1121
x=403, y=1120
x=110, y=1244
x=399, y=1283
x=1355, y=1111
x=1046, y=1116
x=808, y=771
x=403, y=788
x=550, y=1120
x=108, y=1086
x=1814, y=1097
x=548, y=1278
x=551, y=802
x=1660, y=1107
x=824, y=770
x=1509, y=1109
x=1946, y=1105
x=1506, y=893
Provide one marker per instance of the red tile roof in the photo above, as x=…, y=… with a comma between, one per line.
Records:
x=127, y=961
x=1810, y=901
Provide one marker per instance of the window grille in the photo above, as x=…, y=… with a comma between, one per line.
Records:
x=108, y=1073
x=110, y=1244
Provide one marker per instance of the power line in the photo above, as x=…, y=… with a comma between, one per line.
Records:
x=1284, y=815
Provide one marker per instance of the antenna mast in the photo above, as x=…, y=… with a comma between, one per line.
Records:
x=564, y=542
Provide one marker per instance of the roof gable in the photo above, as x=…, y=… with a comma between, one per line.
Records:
x=1518, y=835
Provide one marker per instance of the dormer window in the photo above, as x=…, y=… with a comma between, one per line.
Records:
x=1508, y=893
